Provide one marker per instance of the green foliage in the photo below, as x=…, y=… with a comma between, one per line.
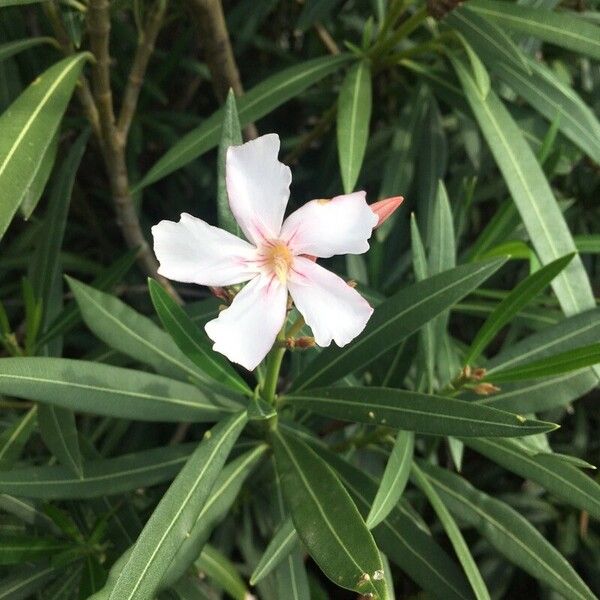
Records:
x=448, y=450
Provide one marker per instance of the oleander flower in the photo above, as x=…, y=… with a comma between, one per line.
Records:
x=276, y=259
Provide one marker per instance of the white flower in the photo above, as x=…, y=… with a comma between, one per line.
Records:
x=274, y=260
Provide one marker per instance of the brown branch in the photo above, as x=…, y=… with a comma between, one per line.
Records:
x=219, y=53
x=114, y=143
x=142, y=56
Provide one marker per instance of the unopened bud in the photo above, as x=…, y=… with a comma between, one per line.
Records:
x=351, y=283
x=478, y=374
x=486, y=389
x=305, y=342
x=385, y=208
x=220, y=293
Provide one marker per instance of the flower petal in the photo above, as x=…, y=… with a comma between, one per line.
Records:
x=323, y=228
x=193, y=251
x=258, y=186
x=332, y=309
x=246, y=331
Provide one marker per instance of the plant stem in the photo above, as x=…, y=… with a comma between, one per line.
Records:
x=269, y=388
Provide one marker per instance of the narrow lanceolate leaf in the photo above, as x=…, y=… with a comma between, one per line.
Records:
x=487, y=39
x=117, y=475
x=14, y=438
x=175, y=515
x=507, y=531
x=26, y=581
x=413, y=411
x=394, y=479
x=69, y=315
x=550, y=392
x=403, y=540
x=222, y=496
x=458, y=541
x=11, y=48
x=45, y=262
x=354, y=114
x=326, y=519
x=254, y=104
x=106, y=390
x=21, y=549
x=553, y=473
x=57, y=425
x=59, y=432
x=555, y=100
x=396, y=319
x=284, y=541
x=562, y=28
x=193, y=342
x=231, y=135
x=518, y=298
x=531, y=192
x=222, y=572
x=40, y=175
x=28, y=127
x=572, y=360
x=131, y=333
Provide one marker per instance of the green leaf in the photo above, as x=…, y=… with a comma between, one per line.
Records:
x=131, y=333
x=531, y=193
x=555, y=100
x=176, y=513
x=11, y=48
x=487, y=39
x=326, y=519
x=282, y=544
x=413, y=411
x=507, y=531
x=59, y=432
x=354, y=114
x=57, y=425
x=21, y=549
x=396, y=319
x=28, y=127
x=14, y=438
x=218, y=568
x=421, y=273
x=480, y=74
x=44, y=267
x=401, y=538
x=114, y=475
x=106, y=390
x=552, y=472
x=41, y=173
x=260, y=410
x=512, y=304
x=561, y=28
x=571, y=360
x=401, y=156
x=28, y=512
x=254, y=104
x=70, y=316
x=193, y=342
x=222, y=496
x=458, y=541
x=26, y=581
x=231, y=135
x=394, y=479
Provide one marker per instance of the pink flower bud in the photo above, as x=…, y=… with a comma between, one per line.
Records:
x=385, y=208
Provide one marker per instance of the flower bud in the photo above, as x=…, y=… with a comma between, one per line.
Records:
x=485, y=389
x=385, y=208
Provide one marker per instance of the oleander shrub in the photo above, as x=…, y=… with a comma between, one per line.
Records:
x=290, y=412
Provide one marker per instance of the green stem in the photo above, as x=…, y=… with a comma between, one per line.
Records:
x=269, y=388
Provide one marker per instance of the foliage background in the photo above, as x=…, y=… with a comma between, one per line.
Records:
x=483, y=116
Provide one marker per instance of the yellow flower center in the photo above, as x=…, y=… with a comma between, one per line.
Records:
x=280, y=259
